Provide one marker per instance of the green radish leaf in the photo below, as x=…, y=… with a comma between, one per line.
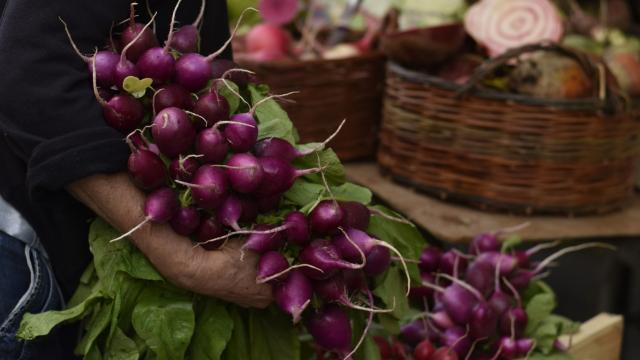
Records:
x=334, y=170
x=238, y=346
x=93, y=354
x=136, y=87
x=231, y=92
x=389, y=323
x=304, y=192
x=272, y=335
x=34, y=325
x=352, y=192
x=164, y=318
x=393, y=291
x=213, y=331
x=121, y=347
x=511, y=242
x=94, y=327
x=406, y=238
x=109, y=258
x=538, y=309
x=565, y=326
x=545, y=335
x=273, y=121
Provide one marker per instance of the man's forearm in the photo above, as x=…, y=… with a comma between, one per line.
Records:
x=120, y=203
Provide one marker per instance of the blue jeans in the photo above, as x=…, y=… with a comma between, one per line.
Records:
x=27, y=284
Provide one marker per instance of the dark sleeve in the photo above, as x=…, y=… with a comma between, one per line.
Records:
x=47, y=108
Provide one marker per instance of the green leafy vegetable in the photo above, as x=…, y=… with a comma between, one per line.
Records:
x=230, y=91
x=164, y=318
x=273, y=120
x=392, y=291
x=213, y=330
x=121, y=347
x=272, y=335
x=136, y=87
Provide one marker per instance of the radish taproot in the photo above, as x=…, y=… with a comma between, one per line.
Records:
x=185, y=221
x=183, y=168
x=281, y=148
x=321, y=254
x=278, y=176
x=212, y=107
x=172, y=95
x=209, y=187
x=326, y=217
x=230, y=212
x=209, y=228
x=330, y=327
x=147, y=170
x=297, y=231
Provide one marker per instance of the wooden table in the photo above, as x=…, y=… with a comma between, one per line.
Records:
x=456, y=224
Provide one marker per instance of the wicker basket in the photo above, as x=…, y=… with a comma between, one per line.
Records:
x=508, y=152
x=330, y=91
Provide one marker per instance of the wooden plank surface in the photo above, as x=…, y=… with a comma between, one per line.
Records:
x=600, y=338
x=455, y=223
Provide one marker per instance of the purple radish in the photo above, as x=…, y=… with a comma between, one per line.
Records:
x=106, y=61
x=331, y=329
x=212, y=107
x=209, y=187
x=335, y=290
x=159, y=207
x=125, y=66
x=183, y=168
x=483, y=243
x=320, y=253
x=259, y=241
x=121, y=112
x=355, y=215
x=352, y=243
x=457, y=339
x=249, y=209
x=481, y=276
x=172, y=95
x=459, y=301
x=193, y=70
x=297, y=228
x=378, y=261
x=209, y=228
x=507, y=347
x=442, y=320
x=513, y=322
x=230, y=212
x=146, y=169
x=139, y=36
x=452, y=263
x=523, y=259
x=268, y=203
x=430, y=259
x=173, y=132
x=520, y=279
x=505, y=262
x=354, y=279
x=279, y=176
x=484, y=321
x=157, y=62
x=281, y=148
x=500, y=302
x=414, y=332
x=185, y=221
x=293, y=295
x=272, y=266
x=326, y=217
x=244, y=172
x=525, y=346
x=187, y=37
x=242, y=138
x=211, y=145
x=270, y=263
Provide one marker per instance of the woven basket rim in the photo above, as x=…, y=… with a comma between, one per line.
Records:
x=423, y=78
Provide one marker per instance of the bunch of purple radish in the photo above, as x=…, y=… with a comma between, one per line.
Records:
x=472, y=304
x=208, y=175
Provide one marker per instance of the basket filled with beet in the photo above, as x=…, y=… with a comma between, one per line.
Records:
x=513, y=121
x=335, y=69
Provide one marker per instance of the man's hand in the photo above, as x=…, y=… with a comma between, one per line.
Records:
x=220, y=274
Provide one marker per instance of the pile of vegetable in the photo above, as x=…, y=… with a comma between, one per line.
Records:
x=492, y=27
x=488, y=303
x=218, y=159
x=307, y=30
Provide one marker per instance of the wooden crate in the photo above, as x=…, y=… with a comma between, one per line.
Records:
x=600, y=338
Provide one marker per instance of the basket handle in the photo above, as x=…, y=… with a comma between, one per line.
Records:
x=608, y=97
